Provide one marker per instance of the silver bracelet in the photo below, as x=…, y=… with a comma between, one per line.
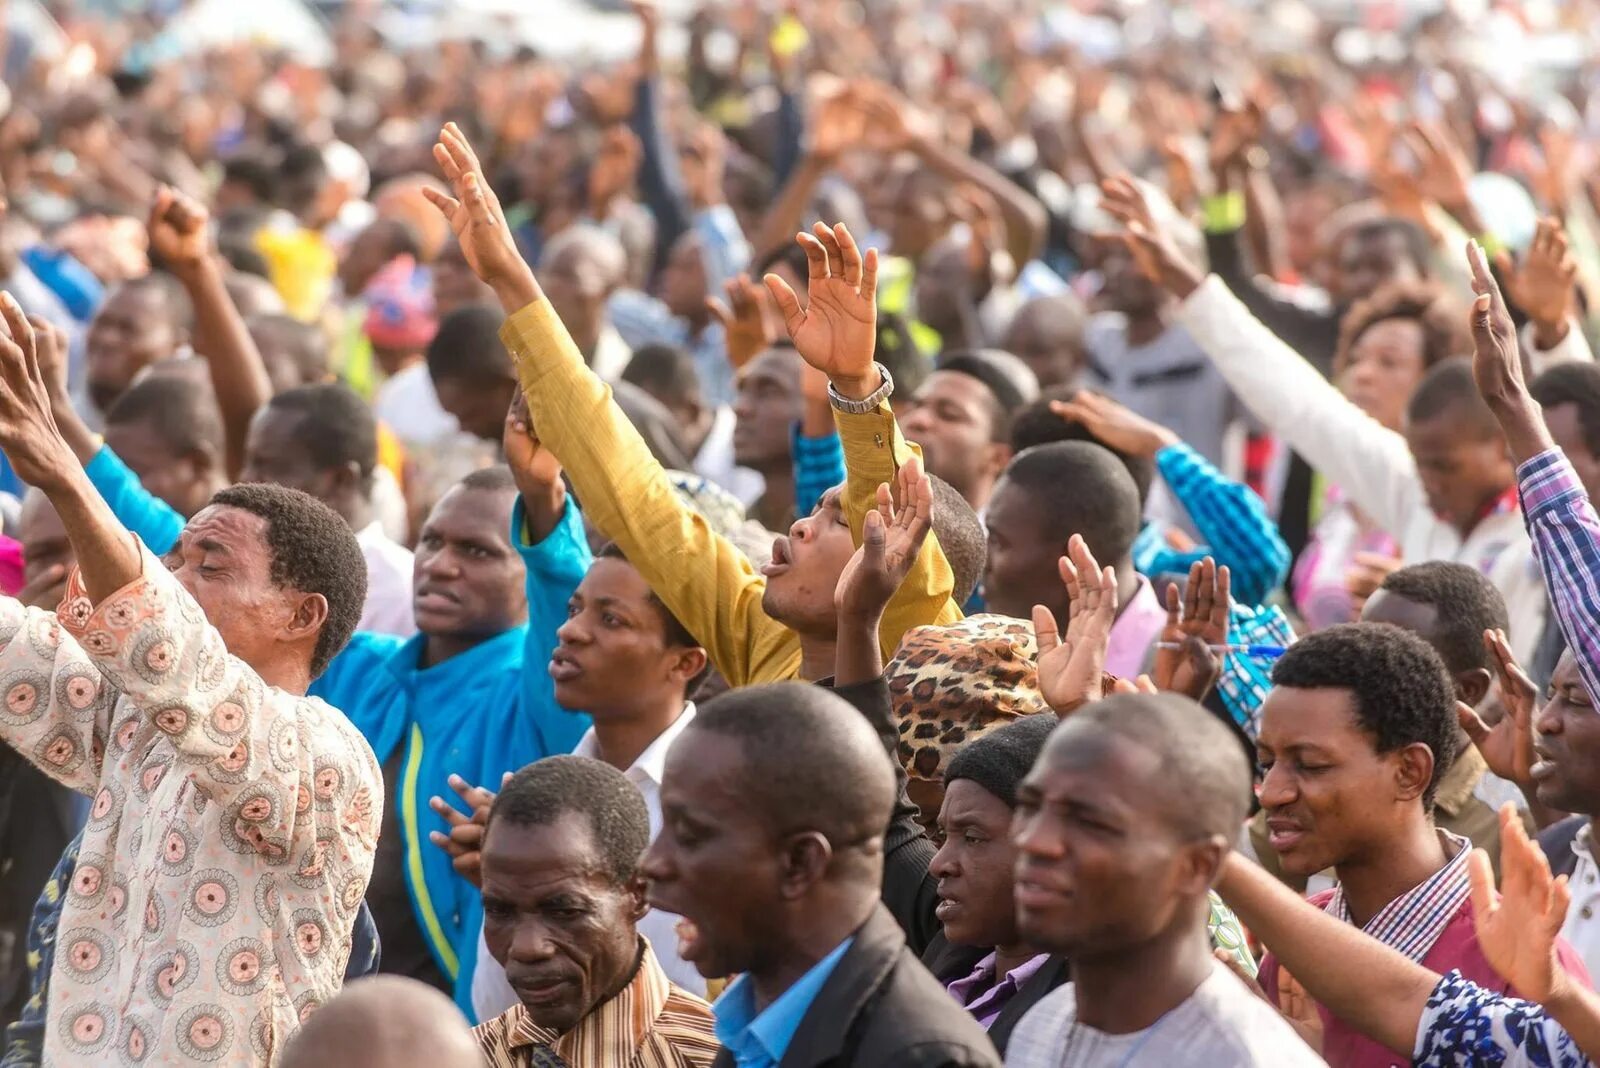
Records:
x=866, y=404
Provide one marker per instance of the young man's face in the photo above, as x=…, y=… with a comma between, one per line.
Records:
x=1461, y=468
x=1330, y=797
x=1021, y=570
x=1567, y=744
x=613, y=647
x=953, y=418
x=1369, y=260
x=806, y=566
x=182, y=480
x=766, y=406
x=468, y=579
x=1100, y=866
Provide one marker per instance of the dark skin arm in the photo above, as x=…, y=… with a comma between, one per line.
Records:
x=179, y=239
x=108, y=557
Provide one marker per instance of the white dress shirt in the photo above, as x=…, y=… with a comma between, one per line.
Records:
x=388, y=609
x=492, y=995
x=1582, y=927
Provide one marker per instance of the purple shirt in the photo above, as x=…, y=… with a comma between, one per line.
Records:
x=1137, y=627
x=993, y=997
x=1566, y=541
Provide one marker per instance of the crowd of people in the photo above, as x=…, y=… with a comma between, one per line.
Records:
x=933, y=533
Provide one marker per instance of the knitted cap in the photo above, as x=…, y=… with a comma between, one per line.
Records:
x=1000, y=760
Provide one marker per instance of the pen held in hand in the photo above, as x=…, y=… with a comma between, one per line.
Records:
x=1264, y=652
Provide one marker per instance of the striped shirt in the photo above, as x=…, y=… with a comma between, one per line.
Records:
x=650, y=1024
x=1413, y=922
x=1565, y=531
x=1232, y=522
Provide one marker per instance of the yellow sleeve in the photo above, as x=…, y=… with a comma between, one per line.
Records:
x=703, y=580
x=873, y=453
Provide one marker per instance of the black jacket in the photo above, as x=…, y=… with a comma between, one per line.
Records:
x=909, y=891
x=950, y=962
x=882, y=1009
x=1556, y=841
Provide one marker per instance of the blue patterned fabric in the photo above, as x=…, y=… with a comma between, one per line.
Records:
x=1464, y=1024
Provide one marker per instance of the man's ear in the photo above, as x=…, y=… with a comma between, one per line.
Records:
x=805, y=861
x=309, y=615
x=1000, y=454
x=1474, y=685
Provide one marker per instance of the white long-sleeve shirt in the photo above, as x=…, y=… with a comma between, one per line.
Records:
x=1369, y=462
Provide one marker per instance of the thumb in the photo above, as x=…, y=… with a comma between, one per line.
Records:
x=874, y=537
x=1045, y=634
x=1470, y=722
x=788, y=303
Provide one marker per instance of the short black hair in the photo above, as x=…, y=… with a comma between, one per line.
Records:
x=666, y=372
x=1035, y=424
x=1448, y=387
x=1401, y=690
x=1077, y=487
x=307, y=344
x=961, y=537
x=467, y=347
x=811, y=762
x=314, y=551
x=1205, y=777
x=496, y=478
x=544, y=791
x=1000, y=760
x=183, y=412
x=254, y=172
x=301, y=175
x=1010, y=382
x=1419, y=248
x=336, y=425
x=1465, y=602
x=179, y=306
x=1577, y=384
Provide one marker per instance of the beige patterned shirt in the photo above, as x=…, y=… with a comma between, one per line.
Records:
x=650, y=1024
x=229, y=843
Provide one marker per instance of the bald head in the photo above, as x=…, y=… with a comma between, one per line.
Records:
x=811, y=763
x=385, y=1022
x=1203, y=786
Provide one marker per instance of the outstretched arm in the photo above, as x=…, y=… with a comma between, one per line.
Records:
x=179, y=238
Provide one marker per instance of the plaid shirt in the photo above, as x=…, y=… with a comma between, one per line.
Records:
x=818, y=467
x=1565, y=531
x=1232, y=521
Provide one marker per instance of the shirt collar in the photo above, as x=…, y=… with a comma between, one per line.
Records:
x=652, y=763
x=773, y=1028
x=1413, y=922
x=614, y=1031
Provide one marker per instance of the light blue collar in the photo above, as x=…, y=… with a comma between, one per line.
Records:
x=759, y=1040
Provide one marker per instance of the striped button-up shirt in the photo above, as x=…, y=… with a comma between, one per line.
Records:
x=1565, y=531
x=1412, y=922
x=650, y=1024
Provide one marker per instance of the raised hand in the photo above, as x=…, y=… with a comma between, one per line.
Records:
x=1542, y=285
x=1443, y=172
x=533, y=465
x=28, y=433
x=616, y=166
x=177, y=231
x=1234, y=131
x=1072, y=666
x=746, y=317
x=838, y=123
x=1193, y=668
x=464, y=843
x=1517, y=932
x=891, y=538
x=479, y=223
x=1152, y=249
x=1507, y=747
x=1116, y=426
x=836, y=332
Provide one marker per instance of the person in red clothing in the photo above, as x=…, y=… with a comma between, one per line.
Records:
x=1356, y=733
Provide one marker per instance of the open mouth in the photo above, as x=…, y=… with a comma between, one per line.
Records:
x=782, y=558
x=563, y=668
x=1284, y=834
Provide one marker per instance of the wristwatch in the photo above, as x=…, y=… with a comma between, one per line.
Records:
x=866, y=404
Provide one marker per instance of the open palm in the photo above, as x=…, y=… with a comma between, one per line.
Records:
x=836, y=331
x=891, y=538
x=1517, y=931
x=1072, y=666
x=1195, y=623
x=474, y=213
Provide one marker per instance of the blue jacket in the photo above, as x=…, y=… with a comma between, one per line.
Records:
x=480, y=714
